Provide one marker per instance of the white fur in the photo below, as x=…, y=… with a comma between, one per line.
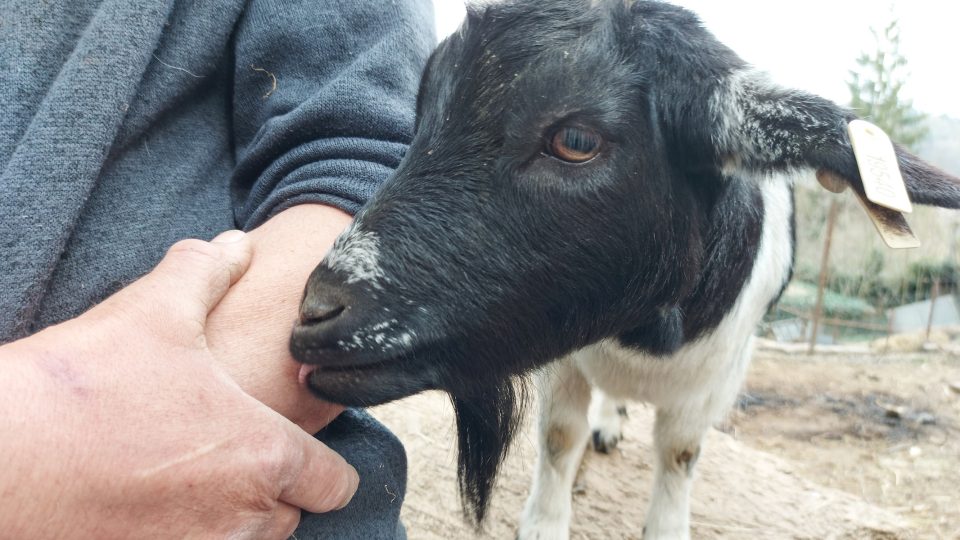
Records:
x=564, y=398
x=691, y=391
x=383, y=335
x=605, y=419
x=744, y=109
x=356, y=254
x=736, y=133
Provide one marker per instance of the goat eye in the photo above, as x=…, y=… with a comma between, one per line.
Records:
x=574, y=145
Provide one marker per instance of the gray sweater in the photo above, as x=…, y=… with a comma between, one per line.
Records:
x=126, y=125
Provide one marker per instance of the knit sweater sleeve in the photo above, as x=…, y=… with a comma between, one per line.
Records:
x=324, y=97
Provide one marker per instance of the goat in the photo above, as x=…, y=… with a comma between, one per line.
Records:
x=599, y=189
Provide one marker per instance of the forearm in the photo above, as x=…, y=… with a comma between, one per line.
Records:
x=291, y=244
x=249, y=330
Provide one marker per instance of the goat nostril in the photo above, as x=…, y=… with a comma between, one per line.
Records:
x=319, y=313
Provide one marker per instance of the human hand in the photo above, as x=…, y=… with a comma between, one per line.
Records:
x=120, y=423
x=249, y=331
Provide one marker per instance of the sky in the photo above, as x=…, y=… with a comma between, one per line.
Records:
x=812, y=45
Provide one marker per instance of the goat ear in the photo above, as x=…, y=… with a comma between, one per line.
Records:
x=927, y=184
x=760, y=126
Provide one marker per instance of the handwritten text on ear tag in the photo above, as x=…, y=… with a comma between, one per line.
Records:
x=879, y=170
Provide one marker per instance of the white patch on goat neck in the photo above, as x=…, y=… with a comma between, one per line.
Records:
x=357, y=255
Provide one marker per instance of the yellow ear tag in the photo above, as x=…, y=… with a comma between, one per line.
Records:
x=879, y=169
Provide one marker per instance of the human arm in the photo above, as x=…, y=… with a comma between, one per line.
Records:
x=323, y=109
x=249, y=330
x=119, y=423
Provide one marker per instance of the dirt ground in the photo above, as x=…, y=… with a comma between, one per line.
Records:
x=819, y=447
x=883, y=428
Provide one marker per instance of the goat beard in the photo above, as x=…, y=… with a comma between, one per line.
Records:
x=486, y=424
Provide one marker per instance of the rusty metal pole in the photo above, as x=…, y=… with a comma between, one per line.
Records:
x=824, y=264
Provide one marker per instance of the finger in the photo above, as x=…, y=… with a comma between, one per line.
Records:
x=281, y=525
x=195, y=275
x=317, y=478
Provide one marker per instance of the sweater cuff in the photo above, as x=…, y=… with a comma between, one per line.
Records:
x=340, y=172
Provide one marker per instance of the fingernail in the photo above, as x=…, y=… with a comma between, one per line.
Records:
x=229, y=237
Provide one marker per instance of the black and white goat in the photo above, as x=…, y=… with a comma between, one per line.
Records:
x=597, y=188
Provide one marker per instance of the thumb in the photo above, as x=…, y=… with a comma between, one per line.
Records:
x=316, y=478
x=194, y=276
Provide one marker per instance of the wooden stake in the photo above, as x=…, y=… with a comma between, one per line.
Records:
x=933, y=304
x=824, y=264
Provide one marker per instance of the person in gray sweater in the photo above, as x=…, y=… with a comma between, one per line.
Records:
x=127, y=126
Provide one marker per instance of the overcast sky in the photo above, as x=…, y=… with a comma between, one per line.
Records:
x=813, y=44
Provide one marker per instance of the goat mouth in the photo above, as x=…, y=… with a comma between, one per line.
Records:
x=306, y=370
x=367, y=384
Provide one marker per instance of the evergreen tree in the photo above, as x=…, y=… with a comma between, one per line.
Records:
x=875, y=88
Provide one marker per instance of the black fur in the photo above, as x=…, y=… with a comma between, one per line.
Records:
x=496, y=258
x=486, y=424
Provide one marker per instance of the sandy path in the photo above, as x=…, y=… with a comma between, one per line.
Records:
x=740, y=492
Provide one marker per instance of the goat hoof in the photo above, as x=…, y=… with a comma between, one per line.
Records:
x=605, y=442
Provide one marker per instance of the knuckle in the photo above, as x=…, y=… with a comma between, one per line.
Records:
x=258, y=500
x=203, y=255
x=272, y=456
x=251, y=468
x=193, y=247
x=253, y=494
